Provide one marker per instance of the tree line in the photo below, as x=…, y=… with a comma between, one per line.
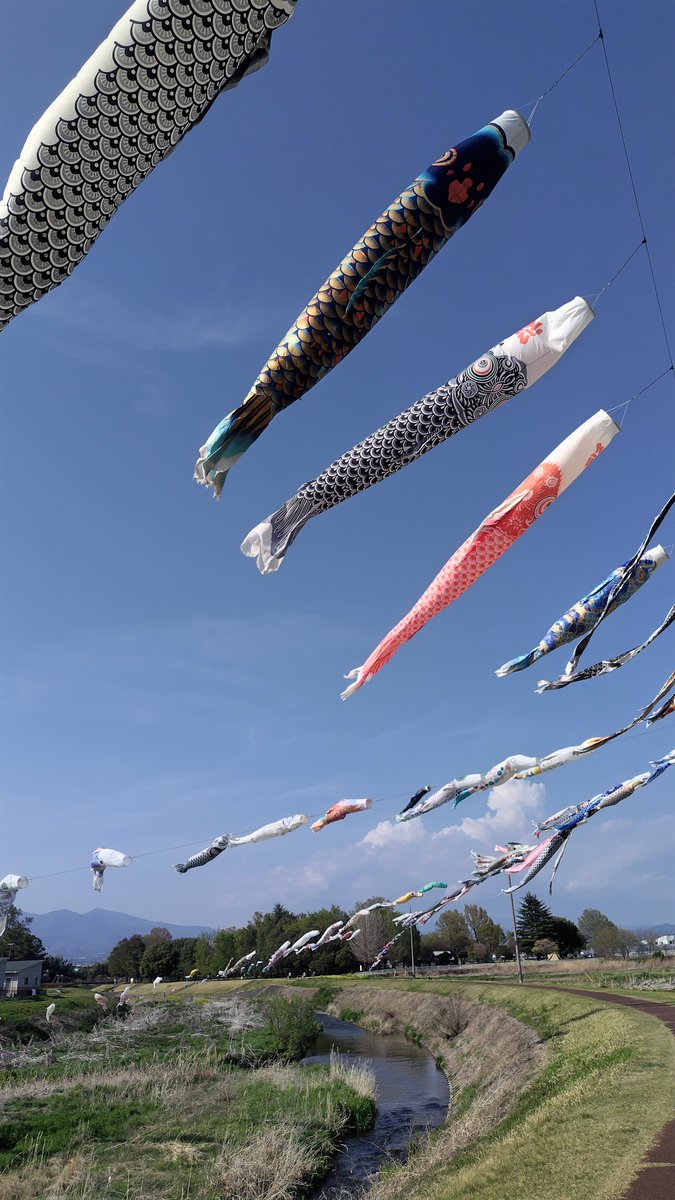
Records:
x=459, y=937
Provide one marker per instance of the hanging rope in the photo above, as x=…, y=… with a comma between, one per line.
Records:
x=646, y=388
x=593, y=300
x=567, y=70
x=188, y=845
x=631, y=176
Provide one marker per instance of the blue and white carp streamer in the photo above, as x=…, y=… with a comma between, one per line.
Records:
x=564, y=823
x=103, y=858
x=273, y=830
x=621, y=588
x=583, y=616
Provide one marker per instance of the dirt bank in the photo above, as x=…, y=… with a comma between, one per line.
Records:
x=489, y=1057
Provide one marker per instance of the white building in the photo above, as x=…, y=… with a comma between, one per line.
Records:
x=23, y=978
x=666, y=939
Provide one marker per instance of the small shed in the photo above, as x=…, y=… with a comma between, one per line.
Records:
x=23, y=977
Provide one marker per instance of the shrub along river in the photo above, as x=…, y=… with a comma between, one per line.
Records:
x=412, y=1097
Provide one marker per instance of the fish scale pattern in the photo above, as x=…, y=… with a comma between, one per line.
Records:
x=362, y=288
x=151, y=81
x=437, y=417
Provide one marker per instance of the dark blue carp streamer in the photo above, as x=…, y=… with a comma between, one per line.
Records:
x=153, y=78
x=583, y=616
x=376, y=271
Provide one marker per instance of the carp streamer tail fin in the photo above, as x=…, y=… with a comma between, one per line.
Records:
x=270, y=540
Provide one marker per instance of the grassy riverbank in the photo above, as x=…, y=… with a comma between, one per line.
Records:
x=152, y=1107
x=25, y=1019
x=603, y=1086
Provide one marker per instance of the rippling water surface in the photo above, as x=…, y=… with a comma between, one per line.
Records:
x=412, y=1096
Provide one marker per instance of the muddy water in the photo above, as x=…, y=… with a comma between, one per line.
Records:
x=412, y=1096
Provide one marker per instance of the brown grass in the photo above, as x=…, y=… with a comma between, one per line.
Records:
x=481, y=1049
x=271, y=1166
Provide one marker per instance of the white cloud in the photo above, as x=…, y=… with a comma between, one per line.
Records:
x=105, y=318
x=387, y=835
x=511, y=811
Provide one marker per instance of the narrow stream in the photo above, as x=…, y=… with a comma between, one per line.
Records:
x=412, y=1096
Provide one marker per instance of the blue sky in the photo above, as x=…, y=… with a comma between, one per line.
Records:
x=158, y=689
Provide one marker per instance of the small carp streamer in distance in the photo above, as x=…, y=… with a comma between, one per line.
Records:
x=340, y=810
x=507, y=369
x=225, y=840
x=153, y=78
x=494, y=536
x=103, y=858
x=9, y=886
x=565, y=822
x=379, y=268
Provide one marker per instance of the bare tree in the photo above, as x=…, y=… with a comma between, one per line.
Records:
x=375, y=933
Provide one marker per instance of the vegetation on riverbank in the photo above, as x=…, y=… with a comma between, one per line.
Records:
x=600, y=1085
x=23, y=1020
x=153, y=1106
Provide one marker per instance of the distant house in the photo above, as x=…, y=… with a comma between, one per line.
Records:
x=666, y=939
x=23, y=978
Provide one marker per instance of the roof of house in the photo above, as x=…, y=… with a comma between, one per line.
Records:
x=22, y=965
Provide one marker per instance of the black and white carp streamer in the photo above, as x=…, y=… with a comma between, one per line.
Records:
x=501, y=373
x=153, y=78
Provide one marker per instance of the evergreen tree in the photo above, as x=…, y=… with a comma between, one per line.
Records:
x=186, y=955
x=55, y=967
x=224, y=949
x=534, y=921
x=204, y=955
x=17, y=942
x=566, y=936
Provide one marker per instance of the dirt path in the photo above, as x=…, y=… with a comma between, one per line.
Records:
x=656, y=1179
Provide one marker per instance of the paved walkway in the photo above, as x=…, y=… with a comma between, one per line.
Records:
x=656, y=1179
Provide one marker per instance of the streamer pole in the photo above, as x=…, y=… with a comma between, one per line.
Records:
x=515, y=936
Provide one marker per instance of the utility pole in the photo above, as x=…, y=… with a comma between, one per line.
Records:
x=515, y=936
x=412, y=949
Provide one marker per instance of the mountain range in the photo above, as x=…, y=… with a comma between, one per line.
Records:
x=89, y=937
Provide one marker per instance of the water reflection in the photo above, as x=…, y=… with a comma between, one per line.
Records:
x=412, y=1096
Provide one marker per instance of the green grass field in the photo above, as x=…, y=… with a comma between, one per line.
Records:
x=601, y=1084
x=154, y=1107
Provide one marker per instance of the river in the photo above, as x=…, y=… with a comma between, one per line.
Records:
x=412, y=1096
